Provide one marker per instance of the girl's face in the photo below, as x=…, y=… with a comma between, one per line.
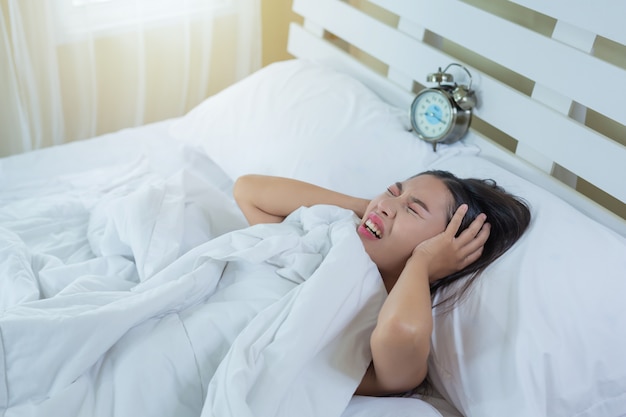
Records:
x=407, y=214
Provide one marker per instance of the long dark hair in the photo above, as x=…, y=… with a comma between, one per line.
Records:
x=508, y=215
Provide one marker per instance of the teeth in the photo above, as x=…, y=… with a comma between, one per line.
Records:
x=372, y=227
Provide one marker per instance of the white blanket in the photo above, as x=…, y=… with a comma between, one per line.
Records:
x=271, y=320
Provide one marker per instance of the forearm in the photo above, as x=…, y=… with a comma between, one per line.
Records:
x=267, y=199
x=400, y=342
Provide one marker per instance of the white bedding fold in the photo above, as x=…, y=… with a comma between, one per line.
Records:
x=305, y=354
x=272, y=320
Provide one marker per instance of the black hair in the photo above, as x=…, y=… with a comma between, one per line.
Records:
x=508, y=215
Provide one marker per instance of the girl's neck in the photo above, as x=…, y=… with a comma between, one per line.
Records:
x=389, y=278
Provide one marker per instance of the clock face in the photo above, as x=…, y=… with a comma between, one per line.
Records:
x=431, y=114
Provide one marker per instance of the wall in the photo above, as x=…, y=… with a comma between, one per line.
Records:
x=276, y=16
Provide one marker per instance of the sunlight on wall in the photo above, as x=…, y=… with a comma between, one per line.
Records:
x=77, y=70
x=276, y=16
x=164, y=61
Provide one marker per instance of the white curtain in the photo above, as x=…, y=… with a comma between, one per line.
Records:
x=74, y=69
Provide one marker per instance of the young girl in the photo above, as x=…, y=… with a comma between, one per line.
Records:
x=423, y=234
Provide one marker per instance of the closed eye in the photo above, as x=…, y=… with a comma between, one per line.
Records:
x=395, y=190
x=415, y=210
x=419, y=203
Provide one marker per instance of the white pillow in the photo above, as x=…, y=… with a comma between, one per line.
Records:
x=544, y=331
x=300, y=119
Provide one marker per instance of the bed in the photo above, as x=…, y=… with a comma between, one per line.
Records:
x=131, y=285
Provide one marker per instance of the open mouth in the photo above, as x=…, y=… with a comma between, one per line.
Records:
x=372, y=228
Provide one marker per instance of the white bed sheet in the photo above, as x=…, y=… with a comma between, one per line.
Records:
x=47, y=198
x=152, y=142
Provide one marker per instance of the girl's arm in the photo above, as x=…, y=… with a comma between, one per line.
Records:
x=400, y=341
x=267, y=199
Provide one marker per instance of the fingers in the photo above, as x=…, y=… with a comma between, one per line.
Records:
x=446, y=253
x=457, y=219
x=471, y=241
x=475, y=247
x=472, y=230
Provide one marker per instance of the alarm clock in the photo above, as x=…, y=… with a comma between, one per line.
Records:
x=442, y=114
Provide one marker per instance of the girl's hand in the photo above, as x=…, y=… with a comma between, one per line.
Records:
x=445, y=254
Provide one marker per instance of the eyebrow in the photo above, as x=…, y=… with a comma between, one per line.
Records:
x=414, y=199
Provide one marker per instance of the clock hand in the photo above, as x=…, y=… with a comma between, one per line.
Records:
x=433, y=115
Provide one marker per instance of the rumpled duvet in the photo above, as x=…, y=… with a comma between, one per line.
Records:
x=155, y=300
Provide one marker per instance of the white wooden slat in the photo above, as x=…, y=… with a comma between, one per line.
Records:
x=495, y=153
x=582, y=40
x=536, y=158
x=403, y=80
x=313, y=27
x=571, y=72
x=422, y=59
x=603, y=17
x=375, y=41
x=574, y=36
x=557, y=137
x=303, y=44
x=416, y=32
x=551, y=98
x=577, y=38
x=562, y=105
x=411, y=28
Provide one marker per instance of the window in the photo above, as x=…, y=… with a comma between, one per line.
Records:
x=76, y=18
x=77, y=3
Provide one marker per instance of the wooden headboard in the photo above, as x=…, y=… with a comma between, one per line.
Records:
x=550, y=78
